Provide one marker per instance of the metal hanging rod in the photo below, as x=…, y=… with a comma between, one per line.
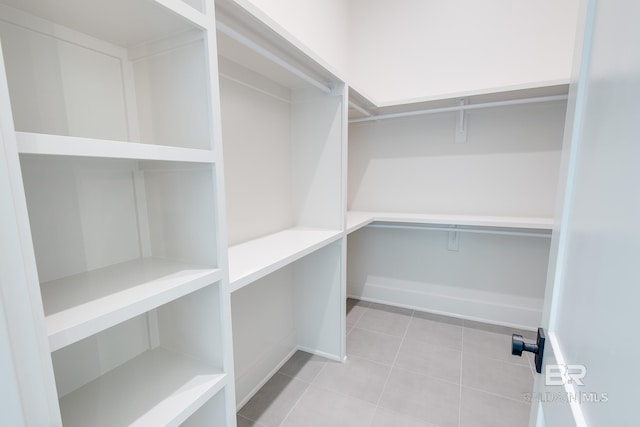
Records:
x=359, y=109
x=462, y=108
x=230, y=32
x=462, y=230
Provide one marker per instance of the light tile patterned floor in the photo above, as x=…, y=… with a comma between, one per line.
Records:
x=405, y=368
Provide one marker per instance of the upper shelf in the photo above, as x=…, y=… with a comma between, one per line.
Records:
x=363, y=107
x=124, y=23
x=36, y=143
x=255, y=259
x=78, y=306
x=357, y=220
x=248, y=37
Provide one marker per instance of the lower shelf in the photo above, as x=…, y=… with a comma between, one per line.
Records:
x=84, y=304
x=157, y=388
x=252, y=260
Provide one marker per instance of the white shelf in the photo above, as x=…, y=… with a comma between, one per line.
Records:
x=268, y=47
x=485, y=96
x=84, y=304
x=157, y=388
x=121, y=22
x=252, y=260
x=357, y=220
x=37, y=143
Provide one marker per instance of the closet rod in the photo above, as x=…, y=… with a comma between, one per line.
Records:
x=359, y=109
x=225, y=29
x=463, y=230
x=462, y=108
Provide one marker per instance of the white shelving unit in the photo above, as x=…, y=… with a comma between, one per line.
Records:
x=137, y=241
x=114, y=106
x=449, y=199
x=284, y=133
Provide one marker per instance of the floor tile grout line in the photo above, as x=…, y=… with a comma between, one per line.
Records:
x=393, y=363
x=249, y=419
x=528, y=365
x=495, y=394
x=341, y=394
x=373, y=330
x=295, y=404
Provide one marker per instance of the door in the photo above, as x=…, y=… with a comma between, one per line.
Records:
x=592, y=303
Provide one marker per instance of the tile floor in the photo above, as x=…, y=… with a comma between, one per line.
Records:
x=405, y=368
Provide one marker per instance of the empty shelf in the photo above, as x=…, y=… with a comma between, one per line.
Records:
x=36, y=143
x=121, y=22
x=157, y=388
x=356, y=220
x=254, y=259
x=84, y=304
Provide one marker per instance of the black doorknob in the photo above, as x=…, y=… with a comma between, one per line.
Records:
x=518, y=345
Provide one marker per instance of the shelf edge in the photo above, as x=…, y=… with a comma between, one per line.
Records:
x=57, y=145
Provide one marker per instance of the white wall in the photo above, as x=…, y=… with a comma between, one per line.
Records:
x=508, y=166
x=493, y=278
x=321, y=25
x=418, y=49
x=264, y=330
x=257, y=160
x=413, y=49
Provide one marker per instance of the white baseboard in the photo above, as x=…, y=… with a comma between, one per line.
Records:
x=329, y=356
x=498, y=309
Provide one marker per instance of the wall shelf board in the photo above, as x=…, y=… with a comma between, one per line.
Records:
x=357, y=220
x=254, y=24
x=255, y=259
x=121, y=22
x=479, y=97
x=84, y=304
x=157, y=388
x=36, y=143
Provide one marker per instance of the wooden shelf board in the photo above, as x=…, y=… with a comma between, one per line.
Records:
x=357, y=220
x=84, y=304
x=255, y=259
x=157, y=388
x=36, y=143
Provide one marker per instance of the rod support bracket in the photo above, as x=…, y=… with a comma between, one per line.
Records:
x=461, y=124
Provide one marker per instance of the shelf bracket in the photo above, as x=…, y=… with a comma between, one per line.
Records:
x=453, y=241
x=461, y=124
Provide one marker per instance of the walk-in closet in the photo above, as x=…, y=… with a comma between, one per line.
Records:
x=254, y=213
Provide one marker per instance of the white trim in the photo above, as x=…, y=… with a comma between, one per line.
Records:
x=512, y=311
x=576, y=410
